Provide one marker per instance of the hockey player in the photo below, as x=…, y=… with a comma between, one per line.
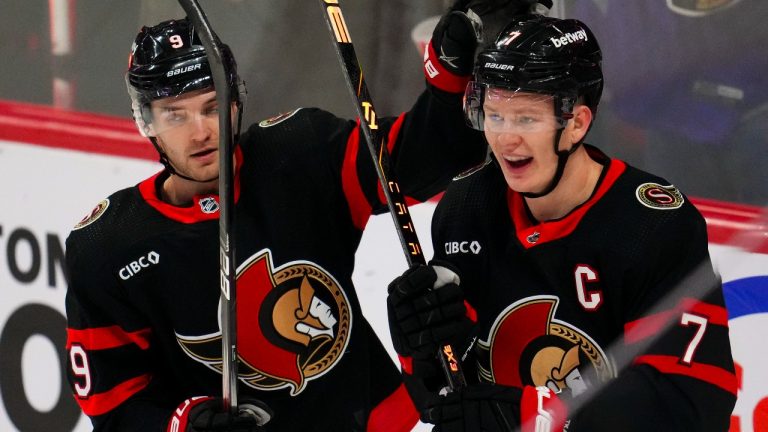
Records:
x=143, y=337
x=144, y=342
x=586, y=283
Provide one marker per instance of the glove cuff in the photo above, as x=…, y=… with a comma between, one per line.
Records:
x=440, y=77
x=180, y=417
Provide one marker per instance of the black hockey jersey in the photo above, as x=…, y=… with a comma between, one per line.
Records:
x=142, y=306
x=616, y=304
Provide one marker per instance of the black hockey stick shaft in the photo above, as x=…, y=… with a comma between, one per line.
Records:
x=398, y=208
x=227, y=263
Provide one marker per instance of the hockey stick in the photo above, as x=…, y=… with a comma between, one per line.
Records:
x=227, y=269
x=380, y=155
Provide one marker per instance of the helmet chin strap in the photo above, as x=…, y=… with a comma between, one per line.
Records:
x=565, y=107
x=562, y=159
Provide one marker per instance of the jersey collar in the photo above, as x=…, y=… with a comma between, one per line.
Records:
x=204, y=207
x=530, y=234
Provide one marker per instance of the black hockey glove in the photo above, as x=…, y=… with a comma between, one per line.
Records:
x=496, y=14
x=478, y=407
x=450, y=56
x=495, y=408
x=455, y=40
x=205, y=414
x=426, y=310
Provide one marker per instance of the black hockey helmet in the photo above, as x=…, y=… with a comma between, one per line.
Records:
x=168, y=60
x=539, y=54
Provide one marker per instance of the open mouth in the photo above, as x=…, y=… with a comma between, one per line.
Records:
x=203, y=153
x=518, y=161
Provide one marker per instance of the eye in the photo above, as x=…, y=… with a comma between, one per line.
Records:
x=173, y=116
x=524, y=119
x=212, y=110
x=494, y=117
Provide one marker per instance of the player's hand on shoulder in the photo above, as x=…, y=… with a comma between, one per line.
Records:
x=206, y=414
x=426, y=310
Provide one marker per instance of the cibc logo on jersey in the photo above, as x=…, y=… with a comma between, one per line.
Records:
x=463, y=247
x=138, y=265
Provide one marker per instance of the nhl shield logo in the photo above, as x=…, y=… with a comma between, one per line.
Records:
x=293, y=322
x=208, y=205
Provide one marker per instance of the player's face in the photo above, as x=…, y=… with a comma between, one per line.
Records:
x=187, y=130
x=520, y=129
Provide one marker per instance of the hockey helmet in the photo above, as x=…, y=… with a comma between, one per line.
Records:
x=169, y=60
x=539, y=54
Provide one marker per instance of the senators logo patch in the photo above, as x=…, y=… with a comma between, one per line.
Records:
x=527, y=346
x=293, y=325
x=659, y=197
x=94, y=215
x=278, y=118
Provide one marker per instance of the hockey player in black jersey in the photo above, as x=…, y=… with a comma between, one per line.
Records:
x=583, y=286
x=144, y=341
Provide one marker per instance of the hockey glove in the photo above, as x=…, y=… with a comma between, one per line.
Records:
x=206, y=414
x=496, y=14
x=426, y=310
x=450, y=55
x=495, y=408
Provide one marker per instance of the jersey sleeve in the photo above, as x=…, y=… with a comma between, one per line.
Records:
x=428, y=145
x=680, y=372
x=108, y=348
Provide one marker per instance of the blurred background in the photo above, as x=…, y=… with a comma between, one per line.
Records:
x=686, y=97
x=686, y=80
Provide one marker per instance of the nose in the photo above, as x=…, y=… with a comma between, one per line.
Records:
x=509, y=138
x=201, y=128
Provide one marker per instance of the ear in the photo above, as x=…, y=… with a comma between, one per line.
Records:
x=579, y=125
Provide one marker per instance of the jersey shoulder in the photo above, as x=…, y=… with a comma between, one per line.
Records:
x=119, y=220
x=290, y=127
x=647, y=211
x=474, y=198
x=296, y=138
